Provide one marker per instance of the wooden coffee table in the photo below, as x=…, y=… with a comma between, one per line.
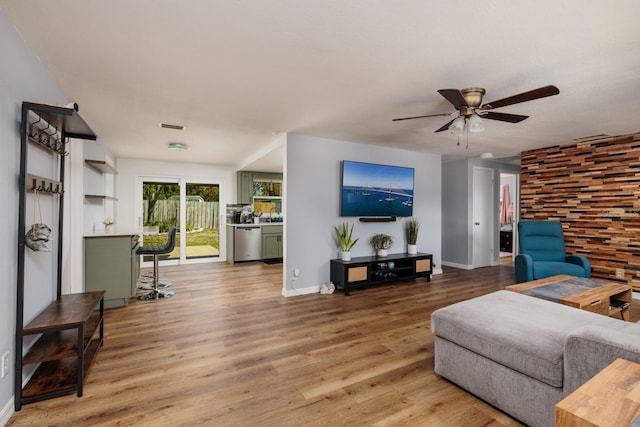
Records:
x=611, y=398
x=598, y=296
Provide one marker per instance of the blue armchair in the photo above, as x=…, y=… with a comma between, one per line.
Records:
x=542, y=253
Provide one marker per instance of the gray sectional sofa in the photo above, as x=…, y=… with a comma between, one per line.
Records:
x=523, y=354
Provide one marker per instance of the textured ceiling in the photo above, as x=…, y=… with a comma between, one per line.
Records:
x=239, y=73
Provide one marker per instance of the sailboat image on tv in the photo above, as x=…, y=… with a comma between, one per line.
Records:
x=389, y=197
x=376, y=190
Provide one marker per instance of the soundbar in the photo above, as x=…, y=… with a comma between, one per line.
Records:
x=378, y=219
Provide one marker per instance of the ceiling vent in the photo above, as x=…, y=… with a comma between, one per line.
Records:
x=169, y=126
x=592, y=137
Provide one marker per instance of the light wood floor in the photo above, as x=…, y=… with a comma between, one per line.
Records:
x=229, y=350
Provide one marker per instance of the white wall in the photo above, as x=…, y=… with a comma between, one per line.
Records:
x=312, y=206
x=22, y=78
x=457, y=207
x=128, y=211
x=96, y=183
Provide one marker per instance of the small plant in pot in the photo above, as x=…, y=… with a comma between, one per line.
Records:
x=344, y=236
x=411, y=228
x=381, y=243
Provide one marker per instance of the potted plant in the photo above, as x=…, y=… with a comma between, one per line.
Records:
x=381, y=243
x=345, y=240
x=108, y=223
x=411, y=228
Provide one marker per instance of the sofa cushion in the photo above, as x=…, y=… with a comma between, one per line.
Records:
x=524, y=333
x=543, y=269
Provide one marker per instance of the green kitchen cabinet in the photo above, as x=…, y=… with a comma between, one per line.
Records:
x=245, y=187
x=112, y=265
x=271, y=241
x=245, y=181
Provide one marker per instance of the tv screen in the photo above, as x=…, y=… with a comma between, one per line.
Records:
x=376, y=190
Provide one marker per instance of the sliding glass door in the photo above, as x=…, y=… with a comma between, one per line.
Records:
x=193, y=207
x=160, y=212
x=202, y=220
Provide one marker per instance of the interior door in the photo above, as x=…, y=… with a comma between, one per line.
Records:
x=483, y=217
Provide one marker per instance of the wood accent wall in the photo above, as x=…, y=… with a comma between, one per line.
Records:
x=593, y=189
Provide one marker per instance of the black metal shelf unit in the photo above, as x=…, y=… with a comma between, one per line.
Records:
x=49, y=127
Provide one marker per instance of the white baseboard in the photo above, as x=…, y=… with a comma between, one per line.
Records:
x=455, y=265
x=316, y=289
x=7, y=412
x=301, y=291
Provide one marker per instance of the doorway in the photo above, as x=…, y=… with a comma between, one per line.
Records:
x=508, y=214
x=191, y=206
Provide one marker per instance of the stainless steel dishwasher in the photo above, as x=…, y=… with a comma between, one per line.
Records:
x=247, y=244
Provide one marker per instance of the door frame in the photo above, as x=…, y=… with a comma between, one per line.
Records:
x=516, y=212
x=489, y=198
x=182, y=184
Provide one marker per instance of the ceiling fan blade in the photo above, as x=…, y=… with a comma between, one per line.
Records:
x=445, y=127
x=454, y=96
x=503, y=117
x=421, y=117
x=523, y=97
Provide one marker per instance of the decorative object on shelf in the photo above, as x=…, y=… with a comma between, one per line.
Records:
x=411, y=228
x=344, y=236
x=108, y=223
x=381, y=243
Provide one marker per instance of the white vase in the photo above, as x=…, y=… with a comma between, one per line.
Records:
x=382, y=253
x=346, y=256
x=412, y=249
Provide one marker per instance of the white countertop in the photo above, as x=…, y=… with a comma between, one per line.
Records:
x=115, y=232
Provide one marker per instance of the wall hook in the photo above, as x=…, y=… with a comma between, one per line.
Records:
x=33, y=133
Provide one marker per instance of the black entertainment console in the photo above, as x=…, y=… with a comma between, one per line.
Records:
x=366, y=271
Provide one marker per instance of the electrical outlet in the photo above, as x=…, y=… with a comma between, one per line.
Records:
x=5, y=365
x=619, y=273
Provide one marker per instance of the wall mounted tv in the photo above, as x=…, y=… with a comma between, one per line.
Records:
x=373, y=190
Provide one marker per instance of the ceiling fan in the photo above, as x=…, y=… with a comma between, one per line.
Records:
x=470, y=108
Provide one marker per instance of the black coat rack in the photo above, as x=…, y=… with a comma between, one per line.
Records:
x=48, y=127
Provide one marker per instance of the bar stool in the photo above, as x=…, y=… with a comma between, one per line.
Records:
x=156, y=251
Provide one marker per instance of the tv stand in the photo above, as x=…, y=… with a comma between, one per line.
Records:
x=362, y=272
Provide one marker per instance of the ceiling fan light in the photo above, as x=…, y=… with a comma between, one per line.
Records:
x=475, y=124
x=457, y=127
